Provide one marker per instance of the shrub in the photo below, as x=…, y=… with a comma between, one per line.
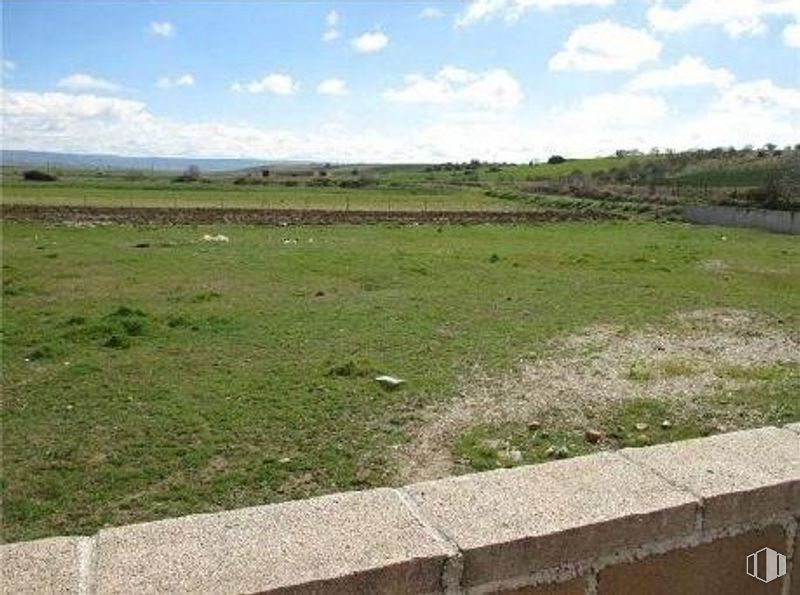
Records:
x=556, y=159
x=34, y=175
x=192, y=174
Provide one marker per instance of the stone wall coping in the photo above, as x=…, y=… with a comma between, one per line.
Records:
x=550, y=522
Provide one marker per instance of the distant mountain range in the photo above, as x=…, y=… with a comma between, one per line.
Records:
x=42, y=159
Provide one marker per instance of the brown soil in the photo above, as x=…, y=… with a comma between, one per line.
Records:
x=147, y=216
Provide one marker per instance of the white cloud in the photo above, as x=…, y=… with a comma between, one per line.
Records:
x=7, y=67
x=600, y=124
x=511, y=10
x=370, y=42
x=494, y=89
x=275, y=83
x=691, y=71
x=606, y=46
x=331, y=22
x=622, y=110
x=184, y=80
x=753, y=112
x=737, y=17
x=332, y=87
x=81, y=81
x=431, y=12
x=64, y=106
x=330, y=35
x=332, y=18
x=759, y=96
x=791, y=35
x=162, y=28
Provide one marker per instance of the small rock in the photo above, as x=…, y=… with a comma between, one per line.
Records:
x=69, y=407
x=666, y=424
x=593, y=436
x=551, y=450
x=515, y=455
x=641, y=426
x=285, y=460
x=643, y=439
x=534, y=425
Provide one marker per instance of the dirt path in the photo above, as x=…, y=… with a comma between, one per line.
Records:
x=689, y=356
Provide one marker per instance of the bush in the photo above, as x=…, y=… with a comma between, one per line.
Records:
x=556, y=159
x=192, y=174
x=34, y=175
x=771, y=195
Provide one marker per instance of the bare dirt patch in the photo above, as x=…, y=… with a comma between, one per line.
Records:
x=690, y=355
x=86, y=216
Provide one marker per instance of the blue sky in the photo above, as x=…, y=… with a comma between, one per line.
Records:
x=399, y=81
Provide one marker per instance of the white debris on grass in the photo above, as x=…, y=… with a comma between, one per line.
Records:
x=389, y=381
x=216, y=238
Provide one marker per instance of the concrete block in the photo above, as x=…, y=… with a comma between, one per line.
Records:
x=53, y=566
x=795, y=562
x=793, y=427
x=742, y=477
x=511, y=522
x=716, y=567
x=358, y=542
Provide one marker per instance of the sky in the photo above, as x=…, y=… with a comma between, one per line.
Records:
x=398, y=81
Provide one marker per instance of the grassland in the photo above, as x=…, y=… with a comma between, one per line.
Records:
x=657, y=186
x=225, y=194
x=150, y=374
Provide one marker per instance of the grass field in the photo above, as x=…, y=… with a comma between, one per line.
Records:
x=228, y=195
x=484, y=186
x=150, y=374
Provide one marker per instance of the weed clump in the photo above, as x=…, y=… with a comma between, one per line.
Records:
x=206, y=296
x=351, y=368
x=40, y=353
x=117, y=342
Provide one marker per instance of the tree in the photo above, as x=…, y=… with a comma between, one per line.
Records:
x=556, y=159
x=192, y=172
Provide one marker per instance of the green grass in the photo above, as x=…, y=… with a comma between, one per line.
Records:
x=148, y=374
x=424, y=187
x=228, y=195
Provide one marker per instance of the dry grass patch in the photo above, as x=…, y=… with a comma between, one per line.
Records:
x=685, y=359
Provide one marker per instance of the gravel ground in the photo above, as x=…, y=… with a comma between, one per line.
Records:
x=690, y=355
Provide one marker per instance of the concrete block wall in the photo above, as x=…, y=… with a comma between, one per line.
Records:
x=771, y=220
x=675, y=518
